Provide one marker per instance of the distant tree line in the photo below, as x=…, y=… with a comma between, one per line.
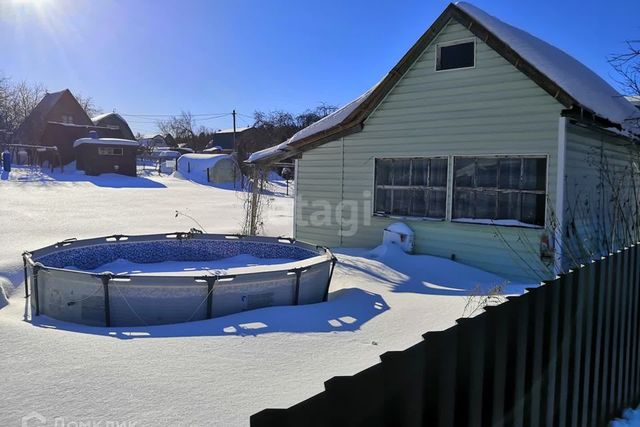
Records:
x=269, y=128
x=277, y=126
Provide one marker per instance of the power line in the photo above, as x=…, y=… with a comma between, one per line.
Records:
x=172, y=115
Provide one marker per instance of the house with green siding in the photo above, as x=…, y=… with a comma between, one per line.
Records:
x=497, y=149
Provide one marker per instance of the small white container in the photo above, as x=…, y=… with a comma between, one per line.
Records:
x=399, y=234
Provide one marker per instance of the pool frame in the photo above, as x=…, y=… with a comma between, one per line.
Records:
x=54, y=290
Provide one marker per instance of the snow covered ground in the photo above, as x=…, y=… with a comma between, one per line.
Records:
x=630, y=418
x=214, y=372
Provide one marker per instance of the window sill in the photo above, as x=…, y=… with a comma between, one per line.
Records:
x=497, y=222
x=408, y=218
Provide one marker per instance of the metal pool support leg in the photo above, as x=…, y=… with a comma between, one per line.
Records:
x=334, y=260
x=107, y=309
x=26, y=276
x=210, y=282
x=296, y=291
x=36, y=269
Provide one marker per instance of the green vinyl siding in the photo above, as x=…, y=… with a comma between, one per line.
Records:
x=491, y=109
x=599, y=166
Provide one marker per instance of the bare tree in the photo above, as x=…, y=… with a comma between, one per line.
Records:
x=89, y=105
x=627, y=66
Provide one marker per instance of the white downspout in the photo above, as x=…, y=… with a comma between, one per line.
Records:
x=560, y=187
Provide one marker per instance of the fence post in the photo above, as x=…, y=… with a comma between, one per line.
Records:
x=635, y=389
x=403, y=386
x=599, y=278
x=603, y=413
x=535, y=345
x=566, y=334
x=551, y=354
x=521, y=305
x=470, y=370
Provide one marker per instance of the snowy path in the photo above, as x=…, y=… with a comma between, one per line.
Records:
x=215, y=372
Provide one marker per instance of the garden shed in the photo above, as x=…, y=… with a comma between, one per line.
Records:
x=106, y=155
x=209, y=168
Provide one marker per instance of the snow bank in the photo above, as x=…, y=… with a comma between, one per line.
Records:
x=630, y=418
x=584, y=85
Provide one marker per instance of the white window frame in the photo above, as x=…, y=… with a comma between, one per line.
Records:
x=407, y=217
x=110, y=151
x=452, y=43
x=451, y=189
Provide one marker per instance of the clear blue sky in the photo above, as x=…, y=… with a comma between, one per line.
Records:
x=164, y=56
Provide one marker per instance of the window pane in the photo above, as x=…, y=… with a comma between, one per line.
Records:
x=383, y=171
x=401, y=168
x=510, y=173
x=383, y=201
x=509, y=206
x=401, y=202
x=487, y=172
x=419, y=171
x=533, y=208
x=463, y=204
x=464, y=168
x=418, y=203
x=437, y=203
x=534, y=174
x=438, y=172
x=455, y=56
x=485, y=205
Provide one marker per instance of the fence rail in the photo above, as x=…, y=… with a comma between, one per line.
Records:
x=563, y=354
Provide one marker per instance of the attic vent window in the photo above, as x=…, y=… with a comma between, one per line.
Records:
x=456, y=55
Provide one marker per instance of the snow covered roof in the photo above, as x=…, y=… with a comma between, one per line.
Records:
x=230, y=130
x=586, y=87
x=322, y=125
x=203, y=161
x=104, y=141
x=635, y=100
x=562, y=76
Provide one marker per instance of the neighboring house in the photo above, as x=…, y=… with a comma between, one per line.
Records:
x=223, y=138
x=63, y=135
x=153, y=141
x=58, y=107
x=106, y=155
x=499, y=150
x=57, y=121
x=115, y=121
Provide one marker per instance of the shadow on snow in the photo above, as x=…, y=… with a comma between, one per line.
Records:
x=35, y=174
x=423, y=274
x=346, y=310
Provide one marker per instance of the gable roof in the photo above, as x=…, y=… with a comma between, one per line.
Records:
x=33, y=126
x=575, y=86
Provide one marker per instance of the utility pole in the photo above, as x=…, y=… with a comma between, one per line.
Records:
x=235, y=148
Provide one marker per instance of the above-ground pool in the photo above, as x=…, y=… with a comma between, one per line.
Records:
x=172, y=278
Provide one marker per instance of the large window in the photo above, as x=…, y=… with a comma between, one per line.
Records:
x=109, y=151
x=412, y=187
x=503, y=190
x=455, y=55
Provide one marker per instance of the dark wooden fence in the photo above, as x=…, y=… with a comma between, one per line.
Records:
x=562, y=354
